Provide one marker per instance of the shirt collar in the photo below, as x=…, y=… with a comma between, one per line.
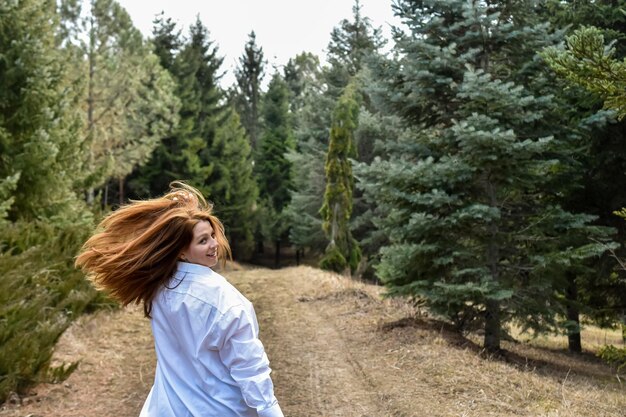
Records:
x=193, y=268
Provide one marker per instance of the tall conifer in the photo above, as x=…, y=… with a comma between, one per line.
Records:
x=39, y=129
x=470, y=217
x=273, y=169
x=249, y=75
x=343, y=250
x=129, y=100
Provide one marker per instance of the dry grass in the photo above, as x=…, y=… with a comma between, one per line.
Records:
x=116, y=368
x=415, y=366
x=338, y=349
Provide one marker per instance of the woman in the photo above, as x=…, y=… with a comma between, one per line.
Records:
x=160, y=252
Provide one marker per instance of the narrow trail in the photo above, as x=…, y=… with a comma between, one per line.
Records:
x=314, y=371
x=336, y=350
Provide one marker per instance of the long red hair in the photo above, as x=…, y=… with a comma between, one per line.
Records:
x=135, y=249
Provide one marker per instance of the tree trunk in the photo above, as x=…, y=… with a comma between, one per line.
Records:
x=90, y=108
x=492, y=307
x=277, y=254
x=106, y=197
x=121, y=186
x=492, y=326
x=573, y=314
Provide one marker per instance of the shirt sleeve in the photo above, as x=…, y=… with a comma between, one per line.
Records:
x=243, y=354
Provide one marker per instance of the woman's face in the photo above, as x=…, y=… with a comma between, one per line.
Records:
x=203, y=247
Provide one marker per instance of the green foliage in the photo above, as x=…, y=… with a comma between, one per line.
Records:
x=312, y=110
x=273, y=167
x=613, y=356
x=249, y=75
x=468, y=204
x=167, y=162
x=38, y=125
x=40, y=294
x=233, y=188
x=337, y=207
x=127, y=98
x=307, y=197
x=315, y=92
x=333, y=260
x=196, y=70
x=597, y=145
x=302, y=75
x=351, y=44
x=166, y=40
x=592, y=65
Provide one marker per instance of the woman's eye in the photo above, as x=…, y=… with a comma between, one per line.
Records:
x=203, y=240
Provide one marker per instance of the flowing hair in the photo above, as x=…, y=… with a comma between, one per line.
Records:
x=135, y=249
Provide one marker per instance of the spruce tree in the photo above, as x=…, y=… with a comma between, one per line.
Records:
x=351, y=43
x=314, y=96
x=166, y=40
x=166, y=163
x=273, y=169
x=342, y=251
x=598, y=292
x=472, y=225
x=39, y=128
x=233, y=187
x=197, y=71
x=249, y=75
x=589, y=63
x=311, y=109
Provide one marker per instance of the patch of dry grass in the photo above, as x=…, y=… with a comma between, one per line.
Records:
x=116, y=368
x=419, y=367
x=339, y=349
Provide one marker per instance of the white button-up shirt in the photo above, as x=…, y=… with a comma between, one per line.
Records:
x=210, y=361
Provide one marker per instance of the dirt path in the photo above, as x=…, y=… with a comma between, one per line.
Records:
x=312, y=365
x=315, y=372
x=336, y=349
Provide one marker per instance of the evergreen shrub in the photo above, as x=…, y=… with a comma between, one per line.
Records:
x=41, y=293
x=333, y=260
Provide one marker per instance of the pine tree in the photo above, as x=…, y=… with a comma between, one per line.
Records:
x=166, y=163
x=273, y=169
x=249, y=75
x=311, y=109
x=588, y=63
x=314, y=95
x=233, y=188
x=166, y=39
x=39, y=140
x=343, y=250
x=471, y=220
x=197, y=71
x=351, y=43
x=129, y=99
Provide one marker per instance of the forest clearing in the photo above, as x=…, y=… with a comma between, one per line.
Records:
x=338, y=349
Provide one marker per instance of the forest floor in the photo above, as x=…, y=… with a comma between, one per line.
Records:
x=337, y=348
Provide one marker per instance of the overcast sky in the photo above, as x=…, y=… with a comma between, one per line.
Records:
x=283, y=28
